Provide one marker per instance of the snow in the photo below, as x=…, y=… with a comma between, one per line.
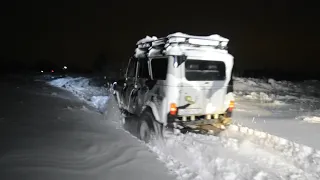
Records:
x=61, y=137
x=270, y=138
x=283, y=108
x=178, y=50
x=139, y=52
x=147, y=39
x=93, y=95
x=214, y=37
x=304, y=93
x=211, y=38
x=233, y=155
x=100, y=102
x=312, y=119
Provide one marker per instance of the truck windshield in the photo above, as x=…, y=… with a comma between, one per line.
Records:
x=202, y=70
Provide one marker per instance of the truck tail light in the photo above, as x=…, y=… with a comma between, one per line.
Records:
x=231, y=106
x=173, y=109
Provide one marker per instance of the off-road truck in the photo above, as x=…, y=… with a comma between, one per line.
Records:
x=179, y=82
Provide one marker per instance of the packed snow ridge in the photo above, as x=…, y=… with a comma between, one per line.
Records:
x=93, y=95
x=303, y=96
x=239, y=152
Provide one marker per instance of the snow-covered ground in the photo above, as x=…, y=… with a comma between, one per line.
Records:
x=97, y=96
x=49, y=134
x=287, y=109
x=275, y=134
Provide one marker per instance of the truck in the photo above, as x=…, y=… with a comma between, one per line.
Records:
x=178, y=82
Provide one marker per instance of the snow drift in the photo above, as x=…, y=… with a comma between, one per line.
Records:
x=301, y=96
x=271, y=89
x=94, y=95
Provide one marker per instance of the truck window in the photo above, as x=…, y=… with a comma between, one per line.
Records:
x=201, y=70
x=143, y=68
x=132, y=68
x=159, y=68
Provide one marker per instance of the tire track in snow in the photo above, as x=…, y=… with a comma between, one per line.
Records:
x=302, y=156
x=191, y=159
x=230, y=156
x=89, y=158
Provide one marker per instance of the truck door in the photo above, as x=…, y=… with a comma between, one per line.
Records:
x=138, y=97
x=130, y=82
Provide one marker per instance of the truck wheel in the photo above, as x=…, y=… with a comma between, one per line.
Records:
x=145, y=126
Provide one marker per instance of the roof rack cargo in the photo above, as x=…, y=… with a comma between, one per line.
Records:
x=213, y=41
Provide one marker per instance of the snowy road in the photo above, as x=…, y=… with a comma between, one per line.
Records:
x=47, y=133
x=232, y=156
x=238, y=153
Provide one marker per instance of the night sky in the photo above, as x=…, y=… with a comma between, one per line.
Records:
x=282, y=35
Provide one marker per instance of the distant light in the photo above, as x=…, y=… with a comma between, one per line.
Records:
x=52, y=71
x=65, y=67
x=41, y=71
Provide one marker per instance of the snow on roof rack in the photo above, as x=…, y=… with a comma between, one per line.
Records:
x=214, y=37
x=215, y=41
x=146, y=40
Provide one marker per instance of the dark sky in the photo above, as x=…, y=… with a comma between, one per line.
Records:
x=265, y=34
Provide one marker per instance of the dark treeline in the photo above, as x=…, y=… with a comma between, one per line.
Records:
x=277, y=74
x=110, y=69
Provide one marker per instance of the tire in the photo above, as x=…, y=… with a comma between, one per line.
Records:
x=145, y=126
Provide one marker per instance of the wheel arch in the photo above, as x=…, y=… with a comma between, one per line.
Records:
x=153, y=108
x=157, y=124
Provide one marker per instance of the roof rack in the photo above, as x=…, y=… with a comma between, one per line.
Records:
x=213, y=41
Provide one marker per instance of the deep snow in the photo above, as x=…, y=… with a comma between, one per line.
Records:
x=49, y=134
x=286, y=109
x=94, y=95
x=280, y=108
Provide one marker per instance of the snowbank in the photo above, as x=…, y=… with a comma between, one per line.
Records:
x=304, y=95
x=82, y=88
x=312, y=119
x=283, y=88
x=265, y=85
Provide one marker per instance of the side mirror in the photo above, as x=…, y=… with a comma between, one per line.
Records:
x=125, y=75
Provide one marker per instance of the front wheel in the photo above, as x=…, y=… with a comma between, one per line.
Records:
x=144, y=132
x=145, y=127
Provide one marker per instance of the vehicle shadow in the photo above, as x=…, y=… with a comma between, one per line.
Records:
x=131, y=125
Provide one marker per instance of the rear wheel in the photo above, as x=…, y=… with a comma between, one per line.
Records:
x=145, y=126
